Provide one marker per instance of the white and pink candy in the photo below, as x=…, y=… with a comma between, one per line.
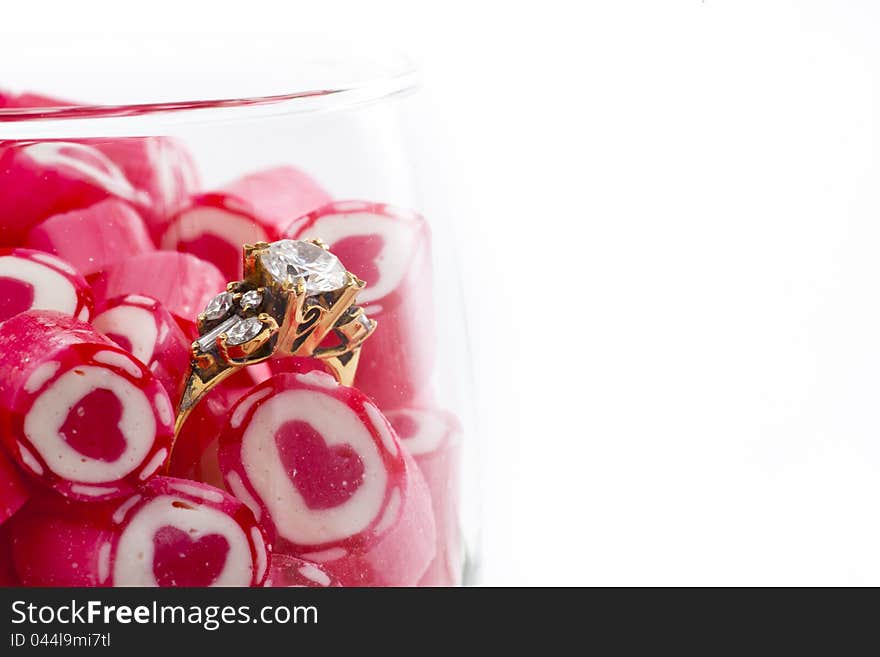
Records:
x=255, y=208
x=35, y=280
x=182, y=283
x=77, y=413
x=173, y=532
x=45, y=178
x=324, y=472
x=161, y=167
x=433, y=437
x=287, y=571
x=143, y=327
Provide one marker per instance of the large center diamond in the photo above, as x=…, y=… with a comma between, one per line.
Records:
x=288, y=260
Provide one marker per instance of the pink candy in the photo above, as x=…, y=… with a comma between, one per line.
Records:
x=173, y=532
x=323, y=470
x=142, y=327
x=390, y=250
x=93, y=238
x=42, y=179
x=58, y=542
x=79, y=414
x=159, y=166
x=255, y=208
x=182, y=283
x=287, y=571
x=433, y=438
x=34, y=280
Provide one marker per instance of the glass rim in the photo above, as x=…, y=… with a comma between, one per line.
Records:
x=341, y=84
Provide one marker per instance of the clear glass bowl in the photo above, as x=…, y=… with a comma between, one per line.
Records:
x=129, y=185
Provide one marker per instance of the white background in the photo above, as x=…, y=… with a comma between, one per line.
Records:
x=677, y=207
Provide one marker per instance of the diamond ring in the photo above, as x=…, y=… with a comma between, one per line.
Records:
x=295, y=299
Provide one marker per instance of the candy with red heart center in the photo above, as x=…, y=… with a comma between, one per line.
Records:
x=172, y=532
x=161, y=167
x=254, y=208
x=323, y=470
x=183, y=533
x=79, y=414
x=32, y=279
x=432, y=436
x=288, y=571
x=141, y=326
x=390, y=250
x=42, y=179
x=182, y=283
x=93, y=238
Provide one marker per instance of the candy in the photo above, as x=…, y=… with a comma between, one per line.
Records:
x=93, y=238
x=14, y=492
x=41, y=179
x=287, y=571
x=172, y=532
x=142, y=327
x=323, y=470
x=78, y=413
x=255, y=208
x=432, y=437
x=183, y=533
x=59, y=542
x=390, y=250
x=182, y=283
x=161, y=167
x=35, y=280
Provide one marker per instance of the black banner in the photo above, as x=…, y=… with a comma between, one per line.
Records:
x=258, y=622
x=247, y=620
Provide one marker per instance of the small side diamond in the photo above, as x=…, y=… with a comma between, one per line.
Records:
x=218, y=306
x=207, y=341
x=244, y=330
x=251, y=299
